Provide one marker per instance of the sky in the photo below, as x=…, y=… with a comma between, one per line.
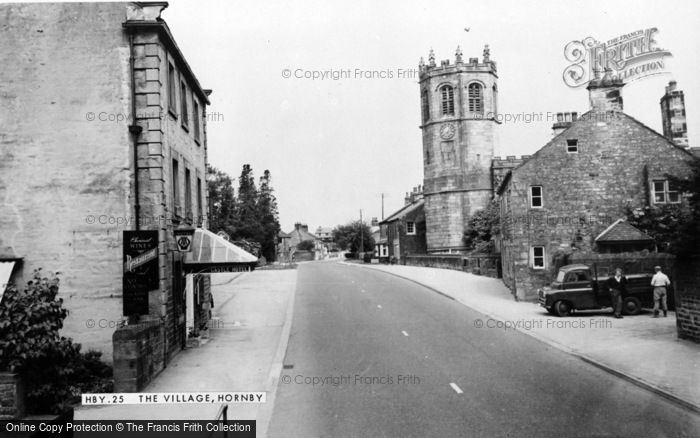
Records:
x=334, y=146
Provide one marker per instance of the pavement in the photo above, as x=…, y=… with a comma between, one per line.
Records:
x=244, y=352
x=643, y=350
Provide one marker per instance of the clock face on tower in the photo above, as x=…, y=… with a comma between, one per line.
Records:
x=447, y=131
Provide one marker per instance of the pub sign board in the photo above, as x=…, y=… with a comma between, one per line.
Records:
x=141, y=273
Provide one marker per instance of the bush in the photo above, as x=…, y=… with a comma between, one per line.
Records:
x=56, y=371
x=306, y=245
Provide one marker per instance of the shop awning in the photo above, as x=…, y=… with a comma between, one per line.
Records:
x=212, y=253
x=6, y=267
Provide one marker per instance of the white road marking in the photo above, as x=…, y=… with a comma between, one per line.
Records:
x=456, y=388
x=404, y=333
x=379, y=306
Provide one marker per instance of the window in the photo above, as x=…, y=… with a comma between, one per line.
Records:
x=410, y=228
x=172, y=89
x=199, y=200
x=538, y=257
x=475, y=98
x=427, y=157
x=663, y=194
x=536, y=197
x=448, y=100
x=572, y=146
x=183, y=105
x=176, y=187
x=197, y=119
x=188, y=194
x=425, y=106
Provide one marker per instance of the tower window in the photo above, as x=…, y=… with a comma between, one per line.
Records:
x=448, y=100
x=475, y=98
x=425, y=106
x=572, y=146
x=536, y=197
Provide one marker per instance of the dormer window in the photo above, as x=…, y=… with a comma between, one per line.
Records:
x=447, y=95
x=475, y=98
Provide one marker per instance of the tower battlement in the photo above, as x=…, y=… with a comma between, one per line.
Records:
x=460, y=65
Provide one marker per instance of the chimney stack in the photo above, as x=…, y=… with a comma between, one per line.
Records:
x=564, y=120
x=673, y=115
x=605, y=93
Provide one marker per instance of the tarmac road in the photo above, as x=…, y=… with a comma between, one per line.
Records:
x=373, y=355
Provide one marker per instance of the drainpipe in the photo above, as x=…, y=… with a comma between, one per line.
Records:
x=135, y=130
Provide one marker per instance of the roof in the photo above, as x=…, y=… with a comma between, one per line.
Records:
x=622, y=231
x=583, y=118
x=403, y=211
x=283, y=235
x=301, y=235
x=212, y=251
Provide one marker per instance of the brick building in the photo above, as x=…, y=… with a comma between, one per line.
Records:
x=459, y=123
x=566, y=197
x=78, y=169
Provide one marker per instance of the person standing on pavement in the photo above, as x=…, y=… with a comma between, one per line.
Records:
x=660, y=282
x=617, y=285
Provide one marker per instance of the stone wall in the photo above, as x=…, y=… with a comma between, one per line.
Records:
x=139, y=355
x=12, y=396
x=65, y=179
x=487, y=265
x=687, y=297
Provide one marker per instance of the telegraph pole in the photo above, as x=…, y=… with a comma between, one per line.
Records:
x=362, y=237
x=382, y=206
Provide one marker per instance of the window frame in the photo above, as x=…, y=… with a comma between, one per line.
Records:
x=410, y=228
x=184, y=108
x=572, y=143
x=475, y=103
x=172, y=90
x=534, y=257
x=175, y=169
x=533, y=197
x=667, y=192
x=188, y=193
x=425, y=106
x=197, y=120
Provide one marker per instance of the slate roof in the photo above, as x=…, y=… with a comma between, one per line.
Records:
x=621, y=231
x=403, y=211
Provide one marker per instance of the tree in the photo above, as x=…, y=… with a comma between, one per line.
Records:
x=222, y=201
x=482, y=227
x=348, y=236
x=268, y=215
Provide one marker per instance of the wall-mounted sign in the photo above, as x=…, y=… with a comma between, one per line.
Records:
x=183, y=238
x=141, y=273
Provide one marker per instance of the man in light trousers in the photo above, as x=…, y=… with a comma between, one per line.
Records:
x=660, y=282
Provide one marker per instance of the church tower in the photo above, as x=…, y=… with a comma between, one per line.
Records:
x=459, y=124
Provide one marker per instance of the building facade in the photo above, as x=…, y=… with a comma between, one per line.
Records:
x=569, y=195
x=104, y=132
x=459, y=127
x=404, y=231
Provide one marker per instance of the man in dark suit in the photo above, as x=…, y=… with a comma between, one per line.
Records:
x=617, y=285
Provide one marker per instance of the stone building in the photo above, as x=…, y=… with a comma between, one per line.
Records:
x=459, y=123
x=404, y=231
x=104, y=130
x=568, y=196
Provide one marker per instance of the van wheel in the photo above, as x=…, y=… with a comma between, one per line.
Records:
x=551, y=311
x=631, y=306
x=562, y=308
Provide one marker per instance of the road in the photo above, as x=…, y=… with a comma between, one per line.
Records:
x=374, y=355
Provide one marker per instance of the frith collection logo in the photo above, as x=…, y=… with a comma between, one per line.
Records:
x=628, y=57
